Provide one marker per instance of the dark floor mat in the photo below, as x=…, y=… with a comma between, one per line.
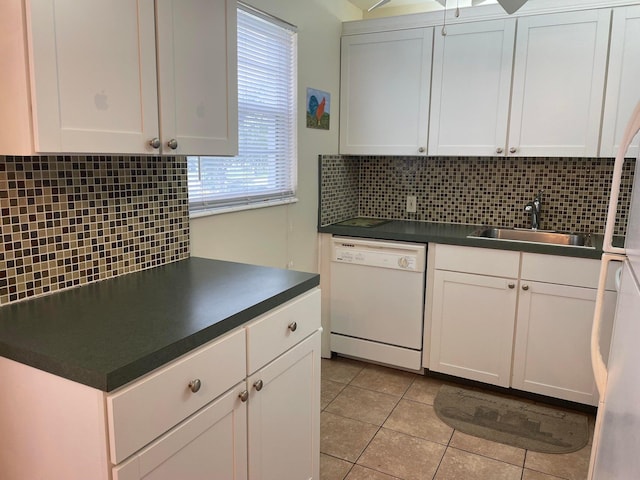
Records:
x=518, y=423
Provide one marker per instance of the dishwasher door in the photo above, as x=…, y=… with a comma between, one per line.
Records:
x=377, y=300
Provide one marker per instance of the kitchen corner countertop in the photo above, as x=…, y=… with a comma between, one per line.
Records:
x=109, y=333
x=457, y=234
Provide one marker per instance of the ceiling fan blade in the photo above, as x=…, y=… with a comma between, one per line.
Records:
x=511, y=6
x=379, y=4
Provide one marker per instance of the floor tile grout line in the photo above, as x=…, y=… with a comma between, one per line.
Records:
x=375, y=434
x=415, y=379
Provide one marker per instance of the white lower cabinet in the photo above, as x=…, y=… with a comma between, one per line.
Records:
x=552, y=346
x=275, y=431
x=284, y=416
x=265, y=428
x=530, y=330
x=246, y=405
x=472, y=332
x=212, y=444
x=556, y=302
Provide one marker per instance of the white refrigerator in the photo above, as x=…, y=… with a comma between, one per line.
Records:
x=615, y=453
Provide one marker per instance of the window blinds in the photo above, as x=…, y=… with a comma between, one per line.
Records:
x=264, y=171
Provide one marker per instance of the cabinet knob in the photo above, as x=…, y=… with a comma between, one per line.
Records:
x=243, y=396
x=421, y=149
x=499, y=150
x=512, y=286
x=513, y=150
x=154, y=143
x=172, y=144
x=525, y=287
x=194, y=385
x=258, y=385
x=293, y=326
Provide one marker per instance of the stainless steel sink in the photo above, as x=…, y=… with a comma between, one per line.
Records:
x=535, y=236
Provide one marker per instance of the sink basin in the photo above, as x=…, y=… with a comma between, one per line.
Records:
x=536, y=236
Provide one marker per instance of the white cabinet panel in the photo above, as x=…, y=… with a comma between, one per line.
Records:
x=385, y=87
x=622, y=93
x=210, y=445
x=471, y=88
x=483, y=261
x=472, y=326
x=558, y=84
x=93, y=75
x=284, y=415
x=197, y=62
x=552, y=349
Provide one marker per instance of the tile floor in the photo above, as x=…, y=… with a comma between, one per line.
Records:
x=379, y=424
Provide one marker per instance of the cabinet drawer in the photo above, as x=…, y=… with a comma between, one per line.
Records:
x=275, y=332
x=484, y=261
x=579, y=272
x=146, y=409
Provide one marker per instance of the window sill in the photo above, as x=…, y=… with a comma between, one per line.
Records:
x=238, y=208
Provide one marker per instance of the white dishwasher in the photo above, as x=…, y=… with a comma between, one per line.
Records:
x=377, y=300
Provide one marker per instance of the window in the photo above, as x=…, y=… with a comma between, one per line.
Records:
x=264, y=172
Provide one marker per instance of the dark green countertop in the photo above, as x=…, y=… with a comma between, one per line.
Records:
x=108, y=333
x=457, y=234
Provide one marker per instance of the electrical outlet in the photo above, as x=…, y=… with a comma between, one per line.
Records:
x=411, y=204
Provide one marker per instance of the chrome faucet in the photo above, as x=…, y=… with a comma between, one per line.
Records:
x=534, y=207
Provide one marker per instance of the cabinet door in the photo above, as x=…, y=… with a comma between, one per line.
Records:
x=93, y=75
x=385, y=86
x=210, y=445
x=284, y=415
x=622, y=93
x=472, y=326
x=558, y=84
x=197, y=79
x=553, y=334
x=471, y=87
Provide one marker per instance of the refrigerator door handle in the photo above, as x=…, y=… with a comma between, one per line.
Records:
x=597, y=363
x=632, y=128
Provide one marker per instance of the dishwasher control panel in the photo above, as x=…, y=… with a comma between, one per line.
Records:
x=401, y=256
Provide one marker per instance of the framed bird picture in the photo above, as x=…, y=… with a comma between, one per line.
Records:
x=318, y=109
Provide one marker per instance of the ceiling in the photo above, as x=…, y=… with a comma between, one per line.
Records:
x=399, y=7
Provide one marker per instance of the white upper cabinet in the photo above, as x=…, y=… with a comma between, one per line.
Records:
x=88, y=72
x=471, y=86
x=558, y=84
x=622, y=93
x=93, y=73
x=385, y=87
x=197, y=63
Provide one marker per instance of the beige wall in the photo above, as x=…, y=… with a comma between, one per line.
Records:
x=286, y=235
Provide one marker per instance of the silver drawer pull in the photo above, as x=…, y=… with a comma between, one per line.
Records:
x=293, y=326
x=194, y=385
x=243, y=396
x=258, y=385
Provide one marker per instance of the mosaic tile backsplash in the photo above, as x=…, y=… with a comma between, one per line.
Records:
x=69, y=221
x=473, y=190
